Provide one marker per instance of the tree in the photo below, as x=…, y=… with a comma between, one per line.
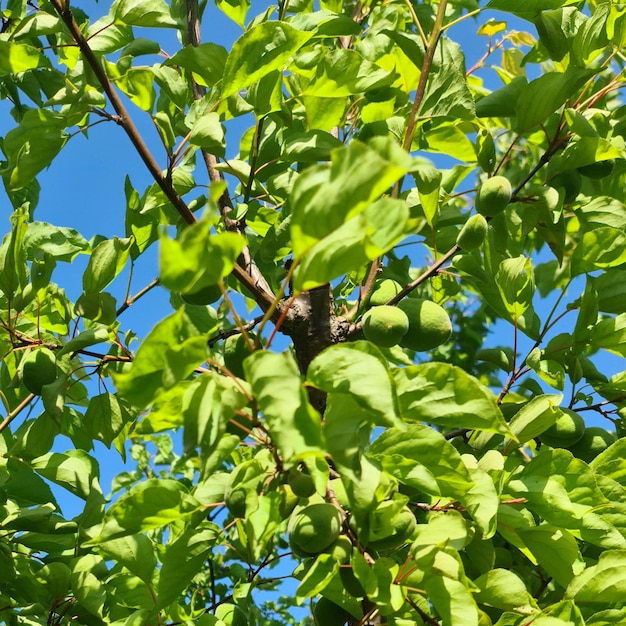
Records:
x=325, y=401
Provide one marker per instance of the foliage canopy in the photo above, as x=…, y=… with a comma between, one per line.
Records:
x=270, y=441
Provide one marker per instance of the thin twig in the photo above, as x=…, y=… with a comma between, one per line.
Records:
x=132, y=299
x=16, y=411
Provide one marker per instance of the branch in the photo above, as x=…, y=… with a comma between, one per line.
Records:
x=259, y=285
x=16, y=411
x=125, y=120
x=426, y=66
x=132, y=299
x=254, y=283
x=431, y=271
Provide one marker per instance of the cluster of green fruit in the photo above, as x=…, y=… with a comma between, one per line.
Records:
x=569, y=431
x=415, y=323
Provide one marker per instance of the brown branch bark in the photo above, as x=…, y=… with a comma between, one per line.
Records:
x=125, y=121
x=254, y=283
x=225, y=202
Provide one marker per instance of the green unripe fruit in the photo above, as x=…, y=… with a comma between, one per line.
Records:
x=235, y=351
x=567, y=430
x=39, y=369
x=571, y=183
x=204, y=296
x=429, y=324
x=473, y=233
x=594, y=441
x=313, y=529
x=351, y=583
x=600, y=169
x=236, y=502
x=327, y=613
x=383, y=291
x=385, y=325
x=302, y=484
x=493, y=196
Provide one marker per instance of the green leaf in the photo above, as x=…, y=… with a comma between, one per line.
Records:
x=527, y=9
x=207, y=133
x=546, y=94
x=326, y=23
x=166, y=356
x=197, y=258
x=62, y=244
x=344, y=72
x=89, y=337
x=504, y=590
x=556, y=550
x=295, y=427
x=612, y=462
x=135, y=552
x=447, y=93
x=105, y=263
x=317, y=577
x=603, y=211
x=263, y=48
x=516, y=283
x=32, y=146
x=137, y=84
x=324, y=198
x=346, y=428
x=206, y=61
x=610, y=287
x=557, y=30
x=361, y=239
x=235, y=9
x=535, y=417
x=358, y=369
x=105, y=417
x=602, y=583
x=501, y=103
x=599, y=248
x=208, y=405
x=445, y=395
x=482, y=499
x=73, y=470
x=610, y=334
x=452, y=600
x=19, y=57
x=313, y=145
x=13, y=257
x=98, y=307
x=89, y=591
x=182, y=560
x=421, y=458
x=559, y=487
x=152, y=504
x=149, y=13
